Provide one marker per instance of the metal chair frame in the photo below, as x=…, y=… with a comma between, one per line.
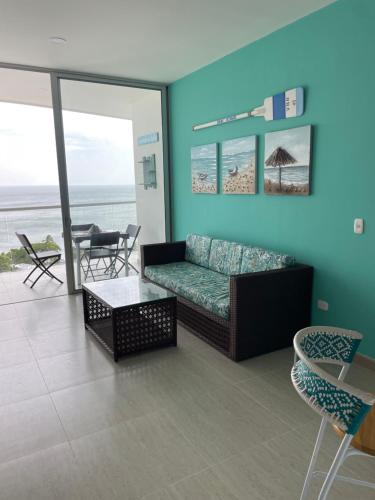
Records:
x=133, y=232
x=108, y=243
x=82, y=227
x=39, y=260
x=308, y=354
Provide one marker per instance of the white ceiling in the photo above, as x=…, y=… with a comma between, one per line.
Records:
x=155, y=40
x=33, y=88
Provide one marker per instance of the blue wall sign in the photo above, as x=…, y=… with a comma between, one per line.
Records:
x=148, y=138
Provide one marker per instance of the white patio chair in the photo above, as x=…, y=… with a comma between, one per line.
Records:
x=339, y=403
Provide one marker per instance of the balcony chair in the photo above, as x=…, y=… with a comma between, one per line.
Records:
x=41, y=260
x=102, y=246
x=83, y=228
x=132, y=231
x=338, y=403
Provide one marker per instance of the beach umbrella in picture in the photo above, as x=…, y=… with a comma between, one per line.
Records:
x=279, y=158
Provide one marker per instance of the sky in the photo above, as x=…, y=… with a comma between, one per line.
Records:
x=240, y=145
x=99, y=150
x=295, y=140
x=205, y=151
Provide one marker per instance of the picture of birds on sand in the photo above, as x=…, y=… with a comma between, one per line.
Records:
x=238, y=164
x=204, y=168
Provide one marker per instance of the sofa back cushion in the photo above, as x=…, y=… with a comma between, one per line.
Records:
x=255, y=259
x=198, y=249
x=225, y=257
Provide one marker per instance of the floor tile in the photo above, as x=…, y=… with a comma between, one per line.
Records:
x=237, y=372
x=221, y=423
x=273, y=470
x=274, y=391
x=10, y=329
x=96, y=405
x=171, y=424
x=137, y=457
x=27, y=427
x=358, y=467
x=77, y=367
x=21, y=382
x=61, y=341
x=50, y=474
x=15, y=352
x=7, y=312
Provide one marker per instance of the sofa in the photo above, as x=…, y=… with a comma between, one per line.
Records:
x=241, y=299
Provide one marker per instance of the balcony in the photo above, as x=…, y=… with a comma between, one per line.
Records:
x=40, y=223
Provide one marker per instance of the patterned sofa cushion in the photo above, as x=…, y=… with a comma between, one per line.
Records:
x=256, y=259
x=198, y=249
x=225, y=257
x=202, y=286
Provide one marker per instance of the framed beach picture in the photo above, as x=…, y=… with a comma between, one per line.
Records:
x=238, y=165
x=204, y=168
x=287, y=161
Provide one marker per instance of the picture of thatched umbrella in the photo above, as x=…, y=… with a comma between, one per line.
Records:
x=279, y=158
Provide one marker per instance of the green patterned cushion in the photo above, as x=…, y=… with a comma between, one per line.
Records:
x=198, y=249
x=225, y=257
x=256, y=259
x=198, y=284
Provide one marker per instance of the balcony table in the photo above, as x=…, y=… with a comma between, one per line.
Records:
x=79, y=237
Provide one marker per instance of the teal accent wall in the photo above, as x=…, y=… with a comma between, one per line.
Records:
x=331, y=54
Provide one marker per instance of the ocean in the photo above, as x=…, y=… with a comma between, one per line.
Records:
x=39, y=223
x=289, y=175
x=205, y=166
x=240, y=160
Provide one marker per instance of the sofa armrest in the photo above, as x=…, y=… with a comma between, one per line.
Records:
x=268, y=308
x=162, y=253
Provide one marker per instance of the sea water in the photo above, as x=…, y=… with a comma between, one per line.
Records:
x=289, y=175
x=39, y=223
x=240, y=160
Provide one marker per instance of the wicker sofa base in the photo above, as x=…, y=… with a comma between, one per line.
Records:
x=266, y=308
x=204, y=325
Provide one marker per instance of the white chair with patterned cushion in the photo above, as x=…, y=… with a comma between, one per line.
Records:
x=339, y=403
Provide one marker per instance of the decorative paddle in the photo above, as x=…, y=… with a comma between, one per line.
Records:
x=288, y=104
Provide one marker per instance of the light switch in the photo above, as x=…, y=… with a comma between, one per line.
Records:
x=323, y=305
x=358, y=226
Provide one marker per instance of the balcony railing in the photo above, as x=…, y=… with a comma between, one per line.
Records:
x=38, y=222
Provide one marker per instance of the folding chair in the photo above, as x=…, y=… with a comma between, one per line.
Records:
x=83, y=246
x=133, y=231
x=42, y=260
x=82, y=227
x=102, y=246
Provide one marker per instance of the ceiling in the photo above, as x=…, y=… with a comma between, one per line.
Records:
x=150, y=40
x=33, y=88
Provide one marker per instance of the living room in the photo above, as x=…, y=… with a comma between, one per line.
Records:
x=204, y=356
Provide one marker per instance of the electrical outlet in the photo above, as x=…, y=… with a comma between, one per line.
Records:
x=323, y=305
x=358, y=226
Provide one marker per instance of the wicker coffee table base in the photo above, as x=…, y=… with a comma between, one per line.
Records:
x=130, y=329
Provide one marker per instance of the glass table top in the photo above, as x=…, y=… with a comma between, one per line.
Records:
x=128, y=291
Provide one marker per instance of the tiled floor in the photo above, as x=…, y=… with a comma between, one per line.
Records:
x=13, y=290
x=181, y=423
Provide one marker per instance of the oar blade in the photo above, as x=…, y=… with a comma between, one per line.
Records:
x=288, y=104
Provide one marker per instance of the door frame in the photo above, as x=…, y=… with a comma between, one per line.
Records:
x=56, y=76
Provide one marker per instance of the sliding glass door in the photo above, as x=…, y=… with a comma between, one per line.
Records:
x=114, y=176
x=29, y=188
x=112, y=158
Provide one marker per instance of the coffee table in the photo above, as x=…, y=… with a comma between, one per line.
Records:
x=128, y=315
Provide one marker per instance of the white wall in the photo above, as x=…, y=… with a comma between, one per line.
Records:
x=146, y=116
